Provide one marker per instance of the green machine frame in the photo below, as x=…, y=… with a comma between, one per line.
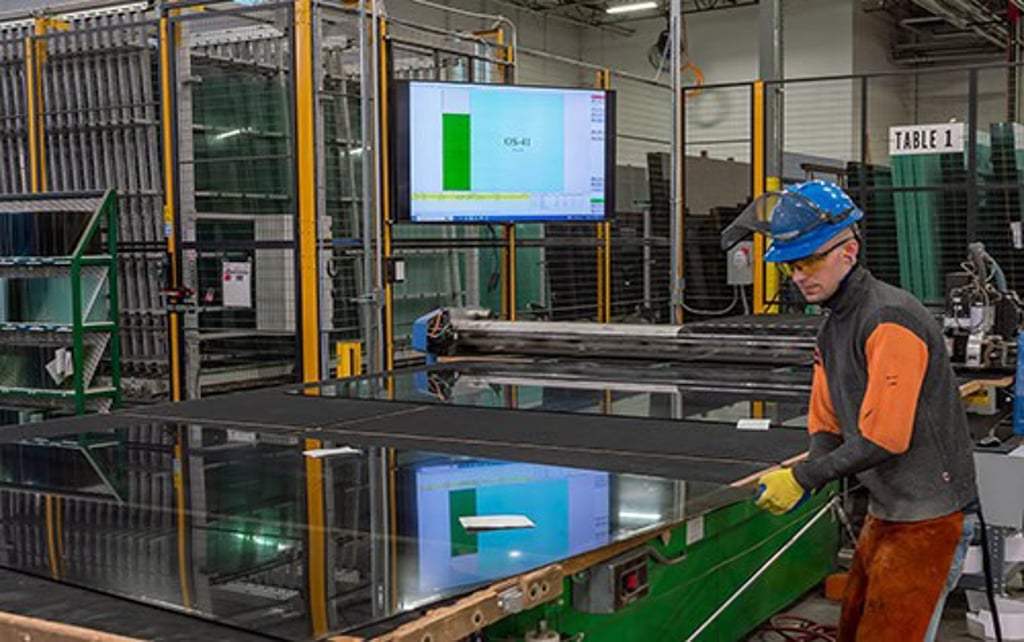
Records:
x=716, y=576
x=690, y=581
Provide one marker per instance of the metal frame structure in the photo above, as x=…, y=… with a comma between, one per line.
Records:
x=80, y=108
x=161, y=253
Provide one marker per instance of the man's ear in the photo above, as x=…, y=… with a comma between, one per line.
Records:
x=851, y=251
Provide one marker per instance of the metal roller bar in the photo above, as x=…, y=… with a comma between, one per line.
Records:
x=572, y=339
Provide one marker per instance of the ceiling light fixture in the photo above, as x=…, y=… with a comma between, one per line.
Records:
x=629, y=8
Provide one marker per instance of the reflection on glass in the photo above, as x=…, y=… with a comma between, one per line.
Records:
x=214, y=521
x=89, y=464
x=568, y=507
x=659, y=391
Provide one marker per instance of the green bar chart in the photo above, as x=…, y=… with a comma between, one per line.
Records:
x=456, y=156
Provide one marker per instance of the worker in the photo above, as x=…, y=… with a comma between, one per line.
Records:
x=884, y=408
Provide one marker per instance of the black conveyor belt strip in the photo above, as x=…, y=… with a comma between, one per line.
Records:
x=696, y=451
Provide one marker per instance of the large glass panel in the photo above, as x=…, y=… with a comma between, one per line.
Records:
x=658, y=391
x=220, y=521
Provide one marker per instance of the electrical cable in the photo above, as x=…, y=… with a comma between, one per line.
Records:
x=798, y=629
x=493, y=280
x=726, y=310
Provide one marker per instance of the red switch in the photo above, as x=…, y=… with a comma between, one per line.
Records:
x=632, y=581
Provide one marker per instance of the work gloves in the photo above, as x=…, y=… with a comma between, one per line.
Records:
x=779, y=492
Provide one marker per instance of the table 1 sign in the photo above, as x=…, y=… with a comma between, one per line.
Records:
x=926, y=139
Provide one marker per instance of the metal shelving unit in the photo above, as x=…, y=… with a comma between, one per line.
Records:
x=58, y=293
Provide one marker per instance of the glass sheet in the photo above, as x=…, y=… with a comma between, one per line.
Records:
x=43, y=233
x=219, y=522
x=714, y=393
x=48, y=367
x=49, y=300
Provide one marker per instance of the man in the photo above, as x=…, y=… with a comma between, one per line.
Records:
x=884, y=408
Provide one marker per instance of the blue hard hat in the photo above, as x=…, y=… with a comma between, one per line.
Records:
x=807, y=216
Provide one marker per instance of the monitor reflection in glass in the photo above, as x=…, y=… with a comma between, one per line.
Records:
x=569, y=509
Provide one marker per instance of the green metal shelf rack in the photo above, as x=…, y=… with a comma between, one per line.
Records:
x=89, y=339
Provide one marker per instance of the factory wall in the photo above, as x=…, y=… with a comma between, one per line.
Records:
x=924, y=97
x=890, y=99
x=535, y=31
x=818, y=37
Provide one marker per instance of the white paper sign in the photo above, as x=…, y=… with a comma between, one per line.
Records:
x=754, y=424
x=320, y=453
x=237, y=279
x=926, y=139
x=694, y=530
x=477, y=523
x=61, y=366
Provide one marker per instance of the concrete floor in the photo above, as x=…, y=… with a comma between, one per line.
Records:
x=815, y=607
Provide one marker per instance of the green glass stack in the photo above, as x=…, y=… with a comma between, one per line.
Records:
x=1000, y=203
x=931, y=216
x=881, y=250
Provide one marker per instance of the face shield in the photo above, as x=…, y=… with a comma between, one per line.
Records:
x=781, y=217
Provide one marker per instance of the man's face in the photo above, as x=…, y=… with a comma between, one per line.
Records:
x=818, y=276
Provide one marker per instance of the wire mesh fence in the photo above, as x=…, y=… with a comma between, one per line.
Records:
x=717, y=175
x=347, y=314
x=236, y=164
x=931, y=156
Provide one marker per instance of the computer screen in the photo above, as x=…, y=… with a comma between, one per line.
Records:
x=502, y=153
x=569, y=509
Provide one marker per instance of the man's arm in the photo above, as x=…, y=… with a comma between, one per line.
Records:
x=822, y=423
x=897, y=360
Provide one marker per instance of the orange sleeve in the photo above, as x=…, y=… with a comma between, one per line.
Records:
x=821, y=417
x=897, y=360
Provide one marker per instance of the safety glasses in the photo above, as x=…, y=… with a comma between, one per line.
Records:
x=799, y=215
x=811, y=265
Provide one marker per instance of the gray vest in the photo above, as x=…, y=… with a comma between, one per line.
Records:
x=935, y=476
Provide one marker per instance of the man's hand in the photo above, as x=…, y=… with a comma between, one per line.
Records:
x=779, y=492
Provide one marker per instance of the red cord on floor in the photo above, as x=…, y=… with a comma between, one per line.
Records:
x=796, y=629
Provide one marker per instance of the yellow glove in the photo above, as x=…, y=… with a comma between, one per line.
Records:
x=779, y=492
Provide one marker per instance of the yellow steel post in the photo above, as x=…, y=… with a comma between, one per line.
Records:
x=168, y=44
x=771, y=272
x=757, y=167
x=503, y=270
x=507, y=292
x=757, y=409
x=35, y=55
x=507, y=268
x=349, y=359
x=317, y=544
x=603, y=80
x=305, y=149
x=504, y=54
x=41, y=27
x=178, y=476
x=39, y=53
x=51, y=538
x=33, y=114
x=59, y=506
